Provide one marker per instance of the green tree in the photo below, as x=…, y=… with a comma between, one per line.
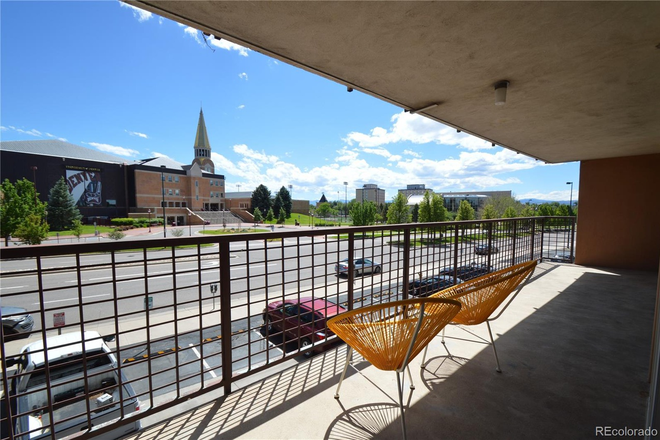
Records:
x=563, y=211
x=546, y=209
x=261, y=199
x=363, y=214
x=278, y=205
x=527, y=211
x=510, y=212
x=432, y=208
x=324, y=209
x=287, y=202
x=77, y=228
x=501, y=203
x=17, y=202
x=465, y=211
x=33, y=229
x=258, y=216
x=415, y=213
x=282, y=217
x=489, y=212
x=270, y=215
x=62, y=210
x=398, y=212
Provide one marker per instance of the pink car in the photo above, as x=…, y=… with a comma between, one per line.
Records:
x=302, y=319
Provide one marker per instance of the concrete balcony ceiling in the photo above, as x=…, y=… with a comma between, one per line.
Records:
x=583, y=76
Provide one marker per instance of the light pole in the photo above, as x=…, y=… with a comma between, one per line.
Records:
x=149, y=211
x=345, y=201
x=238, y=187
x=189, y=225
x=162, y=186
x=570, y=203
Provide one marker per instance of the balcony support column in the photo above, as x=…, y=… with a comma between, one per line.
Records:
x=225, y=315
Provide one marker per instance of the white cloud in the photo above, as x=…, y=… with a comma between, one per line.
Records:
x=194, y=33
x=418, y=130
x=32, y=132
x=241, y=107
x=138, y=134
x=157, y=154
x=55, y=137
x=228, y=45
x=411, y=153
x=119, y=151
x=3, y=128
x=243, y=76
x=138, y=13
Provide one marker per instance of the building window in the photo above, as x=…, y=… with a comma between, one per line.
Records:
x=196, y=183
x=170, y=192
x=164, y=192
x=176, y=179
x=176, y=204
x=169, y=178
x=222, y=194
x=184, y=204
x=196, y=197
x=211, y=194
x=217, y=194
x=176, y=192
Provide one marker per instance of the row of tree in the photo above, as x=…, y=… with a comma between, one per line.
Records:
x=24, y=216
x=432, y=209
x=263, y=203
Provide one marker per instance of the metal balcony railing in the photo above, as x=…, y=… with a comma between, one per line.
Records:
x=186, y=316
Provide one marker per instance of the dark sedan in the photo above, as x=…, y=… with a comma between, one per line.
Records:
x=430, y=285
x=302, y=319
x=485, y=249
x=468, y=271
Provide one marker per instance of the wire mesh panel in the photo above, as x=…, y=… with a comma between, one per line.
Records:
x=120, y=330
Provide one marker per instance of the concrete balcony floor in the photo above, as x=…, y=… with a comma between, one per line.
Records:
x=574, y=348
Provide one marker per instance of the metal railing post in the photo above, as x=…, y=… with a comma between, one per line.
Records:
x=532, y=238
x=572, y=245
x=542, y=236
x=351, y=269
x=456, y=253
x=513, y=245
x=225, y=315
x=406, y=262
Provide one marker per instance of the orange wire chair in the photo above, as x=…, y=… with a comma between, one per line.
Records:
x=481, y=296
x=390, y=335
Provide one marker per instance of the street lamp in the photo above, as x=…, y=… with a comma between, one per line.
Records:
x=149, y=212
x=162, y=186
x=238, y=187
x=189, y=225
x=570, y=203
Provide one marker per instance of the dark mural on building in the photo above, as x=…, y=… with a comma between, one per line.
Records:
x=85, y=185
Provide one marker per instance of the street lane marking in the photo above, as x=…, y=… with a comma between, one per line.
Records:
x=206, y=365
x=72, y=299
x=12, y=287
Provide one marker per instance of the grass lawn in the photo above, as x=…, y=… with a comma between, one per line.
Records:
x=87, y=230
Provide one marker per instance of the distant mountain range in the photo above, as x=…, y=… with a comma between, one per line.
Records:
x=539, y=201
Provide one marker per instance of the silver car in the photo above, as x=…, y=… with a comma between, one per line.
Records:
x=16, y=322
x=362, y=266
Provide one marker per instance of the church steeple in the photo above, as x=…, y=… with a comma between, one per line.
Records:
x=203, y=146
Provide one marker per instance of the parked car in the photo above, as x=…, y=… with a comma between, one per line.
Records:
x=485, y=249
x=468, y=271
x=362, y=266
x=16, y=322
x=302, y=319
x=430, y=285
x=81, y=392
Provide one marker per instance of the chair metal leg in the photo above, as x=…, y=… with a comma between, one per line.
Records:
x=423, y=366
x=400, y=389
x=412, y=385
x=343, y=374
x=492, y=341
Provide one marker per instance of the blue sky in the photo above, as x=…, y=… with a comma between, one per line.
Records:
x=107, y=76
